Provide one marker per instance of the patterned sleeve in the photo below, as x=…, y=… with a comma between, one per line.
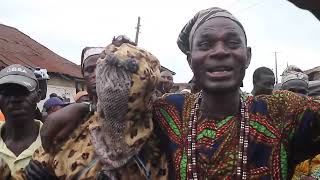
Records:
x=293, y=113
x=168, y=115
x=298, y=119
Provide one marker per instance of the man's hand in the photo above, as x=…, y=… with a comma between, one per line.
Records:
x=60, y=124
x=35, y=171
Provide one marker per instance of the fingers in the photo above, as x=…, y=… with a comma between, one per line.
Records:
x=35, y=171
x=119, y=40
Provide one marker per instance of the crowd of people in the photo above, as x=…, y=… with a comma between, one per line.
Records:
x=129, y=125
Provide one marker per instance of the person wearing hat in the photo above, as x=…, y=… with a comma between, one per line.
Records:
x=42, y=77
x=294, y=80
x=81, y=96
x=80, y=111
x=20, y=133
x=89, y=57
x=95, y=154
x=219, y=133
x=53, y=104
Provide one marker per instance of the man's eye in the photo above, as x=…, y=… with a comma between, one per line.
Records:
x=204, y=45
x=233, y=44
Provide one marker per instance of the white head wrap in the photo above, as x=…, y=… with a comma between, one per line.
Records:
x=293, y=73
x=90, y=52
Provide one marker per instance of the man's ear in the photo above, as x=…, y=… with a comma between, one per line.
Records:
x=248, y=57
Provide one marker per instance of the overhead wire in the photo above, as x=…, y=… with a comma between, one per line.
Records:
x=250, y=6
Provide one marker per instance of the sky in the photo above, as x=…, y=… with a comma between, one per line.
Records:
x=67, y=26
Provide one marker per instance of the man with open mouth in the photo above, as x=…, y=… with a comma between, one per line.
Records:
x=218, y=133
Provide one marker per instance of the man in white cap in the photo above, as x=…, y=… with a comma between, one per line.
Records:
x=19, y=92
x=294, y=80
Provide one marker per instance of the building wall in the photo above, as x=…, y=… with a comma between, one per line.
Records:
x=59, y=81
x=62, y=87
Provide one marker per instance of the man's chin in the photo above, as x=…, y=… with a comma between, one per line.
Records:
x=221, y=88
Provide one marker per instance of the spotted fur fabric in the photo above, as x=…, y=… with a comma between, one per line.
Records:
x=126, y=80
x=76, y=159
x=107, y=141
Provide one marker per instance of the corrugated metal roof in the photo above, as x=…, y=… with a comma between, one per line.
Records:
x=18, y=48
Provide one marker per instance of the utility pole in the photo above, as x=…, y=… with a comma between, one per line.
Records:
x=276, y=64
x=138, y=31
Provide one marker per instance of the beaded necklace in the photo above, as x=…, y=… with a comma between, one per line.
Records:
x=243, y=141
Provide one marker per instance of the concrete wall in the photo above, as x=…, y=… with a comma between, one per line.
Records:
x=62, y=87
x=59, y=81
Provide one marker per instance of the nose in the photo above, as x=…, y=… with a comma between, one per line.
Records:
x=219, y=51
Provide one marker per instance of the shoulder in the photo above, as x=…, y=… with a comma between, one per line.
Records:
x=170, y=112
x=283, y=103
x=282, y=97
x=174, y=101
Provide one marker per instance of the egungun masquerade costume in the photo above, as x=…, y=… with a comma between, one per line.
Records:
x=117, y=142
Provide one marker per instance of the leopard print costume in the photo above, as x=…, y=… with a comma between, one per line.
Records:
x=95, y=145
x=126, y=79
x=76, y=159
